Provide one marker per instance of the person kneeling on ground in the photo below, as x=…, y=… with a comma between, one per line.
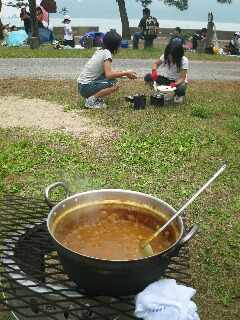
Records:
x=176, y=37
x=199, y=35
x=97, y=78
x=176, y=70
x=6, y=33
x=234, y=44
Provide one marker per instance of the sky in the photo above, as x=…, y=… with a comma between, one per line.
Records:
x=198, y=10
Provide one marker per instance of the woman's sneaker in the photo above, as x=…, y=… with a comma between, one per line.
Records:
x=102, y=100
x=178, y=99
x=95, y=105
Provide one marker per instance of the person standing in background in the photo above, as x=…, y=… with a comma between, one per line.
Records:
x=40, y=17
x=68, y=32
x=25, y=17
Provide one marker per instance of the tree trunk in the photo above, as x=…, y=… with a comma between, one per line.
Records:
x=209, y=36
x=124, y=19
x=1, y=25
x=33, y=16
x=34, y=42
x=1, y=30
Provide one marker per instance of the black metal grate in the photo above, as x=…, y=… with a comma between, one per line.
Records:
x=33, y=283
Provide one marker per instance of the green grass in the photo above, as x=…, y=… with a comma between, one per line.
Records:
x=47, y=51
x=169, y=152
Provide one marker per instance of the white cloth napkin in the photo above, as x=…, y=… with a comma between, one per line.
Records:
x=166, y=300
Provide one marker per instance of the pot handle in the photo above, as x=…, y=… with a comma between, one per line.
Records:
x=50, y=188
x=184, y=240
x=191, y=233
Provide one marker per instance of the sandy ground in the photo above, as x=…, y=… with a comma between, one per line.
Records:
x=18, y=112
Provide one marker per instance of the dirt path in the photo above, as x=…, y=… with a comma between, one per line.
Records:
x=48, y=68
x=18, y=112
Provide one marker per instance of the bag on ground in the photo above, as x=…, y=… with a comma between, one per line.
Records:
x=96, y=38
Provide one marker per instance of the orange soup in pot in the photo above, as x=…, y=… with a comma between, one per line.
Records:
x=114, y=233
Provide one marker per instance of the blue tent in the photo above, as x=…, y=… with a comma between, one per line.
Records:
x=96, y=36
x=44, y=35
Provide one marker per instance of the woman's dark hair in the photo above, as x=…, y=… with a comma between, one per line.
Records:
x=112, y=41
x=39, y=9
x=175, y=49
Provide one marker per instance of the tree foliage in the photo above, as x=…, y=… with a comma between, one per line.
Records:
x=48, y=5
x=225, y=1
x=18, y=4
x=64, y=11
x=179, y=4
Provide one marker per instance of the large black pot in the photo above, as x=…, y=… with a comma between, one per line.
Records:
x=112, y=277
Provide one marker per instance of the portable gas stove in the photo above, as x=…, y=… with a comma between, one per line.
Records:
x=33, y=283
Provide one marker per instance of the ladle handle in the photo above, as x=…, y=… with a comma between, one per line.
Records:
x=185, y=206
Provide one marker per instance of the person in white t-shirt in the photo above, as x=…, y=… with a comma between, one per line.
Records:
x=176, y=70
x=68, y=32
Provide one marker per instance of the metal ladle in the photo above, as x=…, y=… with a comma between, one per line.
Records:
x=145, y=247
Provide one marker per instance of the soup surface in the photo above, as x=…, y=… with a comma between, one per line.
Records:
x=114, y=234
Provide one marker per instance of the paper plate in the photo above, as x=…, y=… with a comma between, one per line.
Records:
x=165, y=88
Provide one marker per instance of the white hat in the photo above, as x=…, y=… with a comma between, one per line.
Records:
x=50, y=27
x=112, y=28
x=67, y=18
x=237, y=33
x=6, y=24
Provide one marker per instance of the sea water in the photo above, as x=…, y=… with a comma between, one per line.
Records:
x=104, y=24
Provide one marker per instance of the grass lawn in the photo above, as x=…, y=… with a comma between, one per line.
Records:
x=168, y=152
x=47, y=51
